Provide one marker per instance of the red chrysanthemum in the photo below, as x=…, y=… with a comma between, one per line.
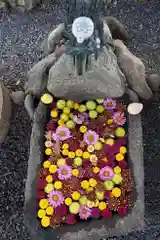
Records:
x=106, y=213
x=41, y=195
x=51, y=126
x=122, y=211
x=122, y=164
x=95, y=212
x=71, y=219
x=41, y=184
x=61, y=210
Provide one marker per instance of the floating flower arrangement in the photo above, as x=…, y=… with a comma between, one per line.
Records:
x=84, y=173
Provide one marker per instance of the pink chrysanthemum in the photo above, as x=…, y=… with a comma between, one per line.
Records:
x=84, y=212
x=91, y=137
x=62, y=133
x=106, y=173
x=64, y=172
x=55, y=198
x=109, y=104
x=119, y=118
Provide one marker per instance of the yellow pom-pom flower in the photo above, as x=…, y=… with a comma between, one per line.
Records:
x=50, y=210
x=85, y=184
x=58, y=185
x=41, y=213
x=46, y=98
x=100, y=195
x=49, y=178
x=117, y=170
x=61, y=122
x=110, y=141
x=65, y=152
x=65, y=146
x=90, y=148
x=96, y=170
x=48, y=151
x=92, y=182
x=109, y=121
x=43, y=203
x=46, y=164
x=83, y=129
x=78, y=161
x=74, y=207
x=61, y=162
x=53, y=168
x=75, y=172
x=116, y=192
x=79, y=153
x=123, y=150
x=86, y=155
x=76, y=195
x=68, y=201
x=45, y=221
x=54, y=113
x=119, y=157
x=120, y=132
x=49, y=188
x=102, y=206
x=98, y=146
x=71, y=154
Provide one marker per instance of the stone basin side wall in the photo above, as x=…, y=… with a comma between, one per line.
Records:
x=26, y=4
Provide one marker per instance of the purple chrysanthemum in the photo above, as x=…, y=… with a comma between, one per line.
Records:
x=109, y=104
x=84, y=212
x=62, y=133
x=106, y=173
x=55, y=198
x=119, y=118
x=64, y=172
x=91, y=137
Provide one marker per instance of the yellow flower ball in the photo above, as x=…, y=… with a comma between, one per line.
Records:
x=79, y=153
x=116, y=192
x=53, y=168
x=83, y=200
x=65, y=146
x=117, y=170
x=82, y=108
x=45, y=221
x=76, y=106
x=70, y=104
x=71, y=154
x=110, y=141
x=48, y=151
x=98, y=146
x=123, y=150
x=61, y=162
x=117, y=178
x=49, y=188
x=70, y=124
x=86, y=155
x=83, y=129
x=68, y=201
x=76, y=195
x=90, y=148
x=93, y=114
x=92, y=182
x=109, y=121
x=100, y=100
x=46, y=164
x=96, y=203
x=78, y=161
x=64, y=117
x=102, y=140
x=50, y=210
x=85, y=184
x=54, y=113
x=74, y=207
x=58, y=185
x=100, y=195
x=46, y=98
x=43, y=203
x=66, y=110
x=96, y=170
x=65, y=152
x=93, y=158
x=61, y=104
x=119, y=157
x=120, y=132
x=75, y=172
x=100, y=109
x=61, y=122
x=90, y=204
x=49, y=178
x=90, y=189
x=41, y=213
x=102, y=206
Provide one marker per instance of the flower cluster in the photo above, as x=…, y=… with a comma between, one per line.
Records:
x=84, y=174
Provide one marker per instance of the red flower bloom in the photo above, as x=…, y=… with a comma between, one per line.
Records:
x=41, y=195
x=106, y=213
x=122, y=211
x=51, y=126
x=71, y=219
x=61, y=210
x=95, y=212
x=41, y=184
x=122, y=164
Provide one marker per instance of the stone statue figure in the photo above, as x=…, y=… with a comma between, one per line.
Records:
x=92, y=63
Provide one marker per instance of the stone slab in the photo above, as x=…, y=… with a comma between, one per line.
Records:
x=96, y=229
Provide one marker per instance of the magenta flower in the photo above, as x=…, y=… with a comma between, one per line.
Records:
x=119, y=118
x=91, y=137
x=64, y=172
x=55, y=198
x=62, y=133
x=95, y=212
x=84, y=212
x=109, y=104
x=106, y=173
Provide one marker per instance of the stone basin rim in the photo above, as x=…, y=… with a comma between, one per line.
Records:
x=96, y=229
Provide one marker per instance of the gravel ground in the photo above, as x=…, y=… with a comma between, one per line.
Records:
x=21, y=37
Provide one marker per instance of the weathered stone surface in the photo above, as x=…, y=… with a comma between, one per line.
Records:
x=5, y=112
x=97, y=229
x=17, y=97
x=102, y=78
x=38, y=76
x=153, y=81
x=134, y=70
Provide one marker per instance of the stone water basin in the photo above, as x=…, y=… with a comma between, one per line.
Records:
x=94, y=229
